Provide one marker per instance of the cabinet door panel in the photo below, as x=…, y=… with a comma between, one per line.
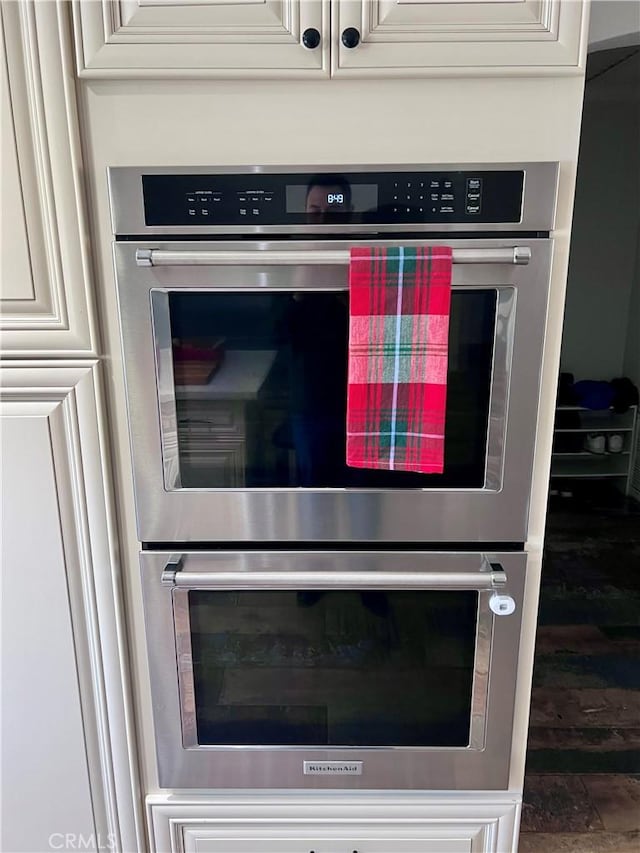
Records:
x=68, y=777
x=422, y=37
x=208, y=38
x=42, y=727
x=380, y=823
x=44, y=265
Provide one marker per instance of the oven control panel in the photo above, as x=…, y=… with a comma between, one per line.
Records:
x=296, y=199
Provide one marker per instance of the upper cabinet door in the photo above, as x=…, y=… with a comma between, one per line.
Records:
x=413, y=38
x=45, y=296
x=202, y=38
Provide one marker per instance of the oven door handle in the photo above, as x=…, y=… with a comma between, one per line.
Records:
x=164, y=258
x=492, y=581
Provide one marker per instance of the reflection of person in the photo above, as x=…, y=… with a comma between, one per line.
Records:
x=327, y=194
x=317, y=333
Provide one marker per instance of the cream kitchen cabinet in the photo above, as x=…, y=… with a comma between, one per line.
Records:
x=67, y=771
x=414, y=38
x=201, y=38
x=45, y=297
x=334, y=824
x=344, y=38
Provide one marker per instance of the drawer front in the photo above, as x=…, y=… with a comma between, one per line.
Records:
x=389, y=824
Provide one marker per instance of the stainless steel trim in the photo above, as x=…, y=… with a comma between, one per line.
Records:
x=127, y=204
x=483, y=765
x=186, y=257
x=166, y=400
x=499, y=397
x=167, y=512
x=481, y=665
x=184, y=668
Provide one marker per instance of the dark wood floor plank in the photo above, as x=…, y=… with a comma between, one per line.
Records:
x=616, y=799
x=585, y=708
x=579, y=842
x=588, y=739
x=558, y=804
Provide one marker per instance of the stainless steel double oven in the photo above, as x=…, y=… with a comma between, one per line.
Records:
x=311, y=625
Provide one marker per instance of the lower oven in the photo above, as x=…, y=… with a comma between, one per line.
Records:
x=333, y=669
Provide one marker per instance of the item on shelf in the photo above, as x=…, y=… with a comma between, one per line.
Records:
x=625, y=395
x=566, y=397
x=619, y=394
x=595, y=443
x=591, y=394
x=615, y=443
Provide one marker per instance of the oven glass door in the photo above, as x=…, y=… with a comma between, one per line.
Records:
x=367, y=667
x=236, y=371
x=260, y=385
x=343, y=654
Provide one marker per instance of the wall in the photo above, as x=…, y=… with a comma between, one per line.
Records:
x=614, y=23
x=606, y=219
x=631, y=366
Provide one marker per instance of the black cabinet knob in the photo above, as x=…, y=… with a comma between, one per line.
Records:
x=350, y=37
x=311, y=38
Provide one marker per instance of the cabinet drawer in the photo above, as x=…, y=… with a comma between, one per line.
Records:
x=344, y=824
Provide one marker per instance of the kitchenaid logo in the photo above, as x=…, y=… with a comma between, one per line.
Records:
x=332, y=768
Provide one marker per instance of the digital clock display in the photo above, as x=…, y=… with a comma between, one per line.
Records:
x=339, y=197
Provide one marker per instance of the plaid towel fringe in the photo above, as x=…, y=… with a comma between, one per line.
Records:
x=398, y=353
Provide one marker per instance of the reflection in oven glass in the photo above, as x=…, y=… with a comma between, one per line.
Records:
x=261, y=383
x=343, y=668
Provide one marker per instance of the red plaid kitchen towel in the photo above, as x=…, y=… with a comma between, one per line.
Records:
x=398, y=352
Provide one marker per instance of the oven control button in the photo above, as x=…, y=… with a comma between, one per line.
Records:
x=502, y=605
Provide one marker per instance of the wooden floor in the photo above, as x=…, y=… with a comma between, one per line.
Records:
x=582, y=789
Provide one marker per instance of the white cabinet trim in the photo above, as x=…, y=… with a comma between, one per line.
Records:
x=175, y=823
x=55, y=315
x=69, y=395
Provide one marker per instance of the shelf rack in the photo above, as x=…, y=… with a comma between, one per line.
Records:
x=571, y=460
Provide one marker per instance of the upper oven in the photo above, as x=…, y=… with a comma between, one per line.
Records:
x=235, y=350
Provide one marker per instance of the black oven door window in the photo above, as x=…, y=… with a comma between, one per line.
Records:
x=330, y=668
x=261, y=383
